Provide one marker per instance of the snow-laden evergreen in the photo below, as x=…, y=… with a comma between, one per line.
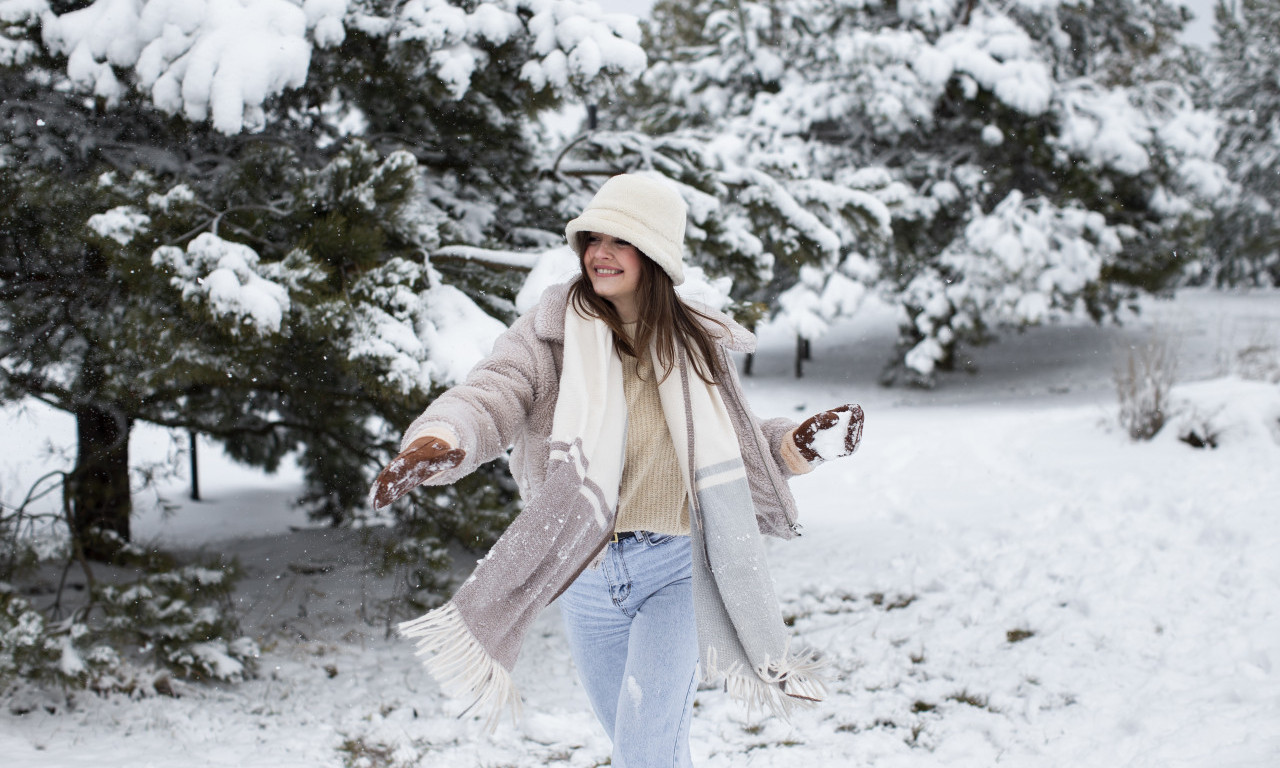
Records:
x=949, y=114
x=269, y=218
x=1246, y=91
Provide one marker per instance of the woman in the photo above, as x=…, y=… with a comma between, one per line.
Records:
x=647, y=483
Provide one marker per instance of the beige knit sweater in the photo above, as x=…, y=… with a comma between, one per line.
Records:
x=652, y=496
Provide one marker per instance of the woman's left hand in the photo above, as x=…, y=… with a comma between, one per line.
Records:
x=830, y=434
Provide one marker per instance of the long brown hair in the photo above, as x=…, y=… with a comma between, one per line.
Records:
x=664, y=318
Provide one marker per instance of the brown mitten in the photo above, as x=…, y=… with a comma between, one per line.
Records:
x=830, y=434
x=424, y=457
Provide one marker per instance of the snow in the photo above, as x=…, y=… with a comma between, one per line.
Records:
x=458, y=333
x=998, y=576
x=228, y=277
x=1000, y=56
x=572, y=43
x=120, y=224
x=1199, y=31
x=426, y=332
x=214, y=59
x=222, y=60
x=829, y=443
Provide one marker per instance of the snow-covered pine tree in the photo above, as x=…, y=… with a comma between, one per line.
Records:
x=1036, y=159
x=261, y=224
x=1246, y=92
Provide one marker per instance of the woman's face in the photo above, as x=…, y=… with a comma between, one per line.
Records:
x=614, y=268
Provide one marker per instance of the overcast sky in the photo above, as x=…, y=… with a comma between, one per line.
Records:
x=637, y=7
x=1200, y=30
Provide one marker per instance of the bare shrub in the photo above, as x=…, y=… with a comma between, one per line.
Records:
x=1259, y=361
x=1256, y=357
x=1143, y=381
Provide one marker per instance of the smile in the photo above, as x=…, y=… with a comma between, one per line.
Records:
x=604, y=271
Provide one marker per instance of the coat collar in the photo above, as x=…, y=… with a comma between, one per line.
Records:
x=548, y=321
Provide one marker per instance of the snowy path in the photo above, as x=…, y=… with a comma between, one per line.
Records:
x=999, y=578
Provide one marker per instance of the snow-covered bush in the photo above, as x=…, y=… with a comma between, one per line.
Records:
x=176, y=619
x=33, y=648
x=1257, y=360
x=1025, y=263
x=180, y=619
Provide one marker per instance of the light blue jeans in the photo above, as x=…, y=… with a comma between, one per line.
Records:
x=631, y=631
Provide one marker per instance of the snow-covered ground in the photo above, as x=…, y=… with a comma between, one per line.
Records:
x=999, y=577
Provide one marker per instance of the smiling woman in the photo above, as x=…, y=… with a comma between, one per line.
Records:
x=613, y=267
x=648, y=484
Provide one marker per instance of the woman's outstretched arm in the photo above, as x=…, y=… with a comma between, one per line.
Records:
x=478, y=418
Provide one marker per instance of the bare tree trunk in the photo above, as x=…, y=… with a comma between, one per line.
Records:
x=195, y=469
x=98, y=487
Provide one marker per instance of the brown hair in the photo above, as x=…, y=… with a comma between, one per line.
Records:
x=664, y=318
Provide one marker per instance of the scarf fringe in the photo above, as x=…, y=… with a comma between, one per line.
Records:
x=781, y=688
x=461, y=665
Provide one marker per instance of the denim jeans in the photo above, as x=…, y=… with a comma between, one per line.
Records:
x=631, y=632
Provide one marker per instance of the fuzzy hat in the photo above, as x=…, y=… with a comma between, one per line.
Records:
x=646, y=212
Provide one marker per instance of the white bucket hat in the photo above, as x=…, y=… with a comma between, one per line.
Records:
x=646, y=212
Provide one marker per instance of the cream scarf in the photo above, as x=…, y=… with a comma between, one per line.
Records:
x=471, y=643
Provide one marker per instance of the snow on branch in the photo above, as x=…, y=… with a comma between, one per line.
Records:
x=573, y=44
x=222, y=60
x=1104, y=127
x=14, y=15
x=1001, y=57
x=421, y=331
x=207, y=59
x=512, y=259
x=120, y=224
x=231, y=281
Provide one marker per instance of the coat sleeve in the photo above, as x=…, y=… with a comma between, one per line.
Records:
x=777, y=432
x=491, y=407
